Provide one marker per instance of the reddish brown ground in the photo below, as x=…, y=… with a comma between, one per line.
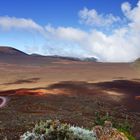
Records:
x=35, y=91
x=73, y=102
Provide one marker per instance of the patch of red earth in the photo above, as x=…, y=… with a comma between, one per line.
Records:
x=38, y=92
x=33, y=92
x=29, y=92
x=137, y=98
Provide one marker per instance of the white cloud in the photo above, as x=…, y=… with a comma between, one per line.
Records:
x=132, y=14
x=121, y=45
x=91, y=17
x=8, y=23
x=126, y=7
x=117, y=47
x=67, y=33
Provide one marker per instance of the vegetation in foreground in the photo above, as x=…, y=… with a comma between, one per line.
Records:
x=124, y=127
x=55, y=130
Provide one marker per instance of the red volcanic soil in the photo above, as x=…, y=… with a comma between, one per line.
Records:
x=73, y=102
x=31, y=84
x=131, y=89
x=137, y=97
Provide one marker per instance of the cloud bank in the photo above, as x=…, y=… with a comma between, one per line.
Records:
x=91, y=17
x=7, y=23
x=120, y=44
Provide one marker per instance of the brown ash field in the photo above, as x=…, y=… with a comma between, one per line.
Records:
x=39, y=88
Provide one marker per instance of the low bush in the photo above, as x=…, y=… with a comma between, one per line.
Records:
x=54, y=130
x=103, y=129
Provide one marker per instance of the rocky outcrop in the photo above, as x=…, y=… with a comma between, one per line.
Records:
x=107, y=132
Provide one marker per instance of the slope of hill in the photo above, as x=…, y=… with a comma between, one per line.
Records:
x=5, y=50
x=46, y=87
x=86, y=59
x=14, y=56
x=136, y=64
x=137, y=61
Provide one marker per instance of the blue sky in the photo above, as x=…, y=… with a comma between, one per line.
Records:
x=58, y=12
x=63, y=26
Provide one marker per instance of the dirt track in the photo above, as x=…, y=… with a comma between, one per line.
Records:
x=2, y=101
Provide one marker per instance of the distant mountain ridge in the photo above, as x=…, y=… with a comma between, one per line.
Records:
x=10, y=51
x=137, y=60
x=6, y=50
x=12, y=55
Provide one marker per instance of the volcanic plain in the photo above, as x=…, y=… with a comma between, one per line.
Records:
x=38, y=87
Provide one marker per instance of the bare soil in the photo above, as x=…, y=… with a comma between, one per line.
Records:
x=69, y=91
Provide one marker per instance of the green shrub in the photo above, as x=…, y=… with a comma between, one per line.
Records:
x=128, y=135
x=99, y=120
x=54, y=130
x=124, y=126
